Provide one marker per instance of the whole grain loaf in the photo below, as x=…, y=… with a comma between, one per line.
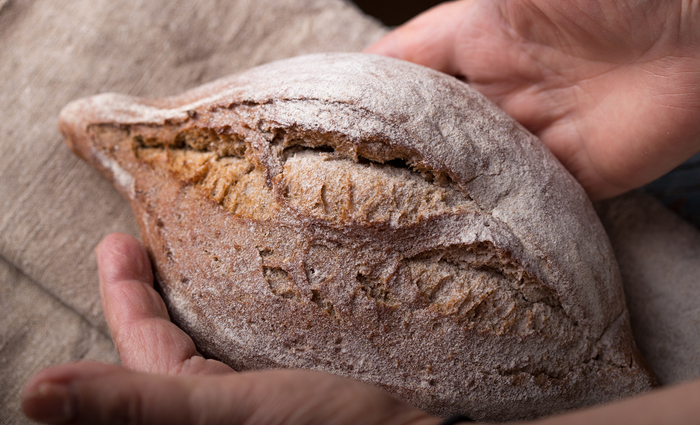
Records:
x=375, y=219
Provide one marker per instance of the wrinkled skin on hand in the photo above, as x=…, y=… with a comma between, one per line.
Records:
x=612, y=88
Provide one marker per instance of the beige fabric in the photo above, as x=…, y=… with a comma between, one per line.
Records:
x=54, y=209
x=38, y=330
x=659, y=257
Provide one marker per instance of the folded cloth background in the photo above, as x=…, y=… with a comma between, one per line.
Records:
x=54, y=209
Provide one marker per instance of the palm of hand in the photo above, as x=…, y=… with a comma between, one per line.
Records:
x=613, y=89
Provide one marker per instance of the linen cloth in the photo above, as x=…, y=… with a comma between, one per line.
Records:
x=54, y=208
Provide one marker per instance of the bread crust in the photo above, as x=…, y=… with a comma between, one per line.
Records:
x=375, y=219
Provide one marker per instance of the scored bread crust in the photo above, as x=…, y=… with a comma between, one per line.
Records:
x=375, y=219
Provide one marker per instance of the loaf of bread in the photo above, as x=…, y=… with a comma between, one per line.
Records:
x=374, y=219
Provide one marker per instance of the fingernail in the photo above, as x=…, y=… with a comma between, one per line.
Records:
x=49, y=403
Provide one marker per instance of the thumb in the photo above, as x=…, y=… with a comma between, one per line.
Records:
x=428, y=39
x=94, y=393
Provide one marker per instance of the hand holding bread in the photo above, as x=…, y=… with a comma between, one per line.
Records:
x=377, y=220
x=608, y=138
x=180, y=390
x=612, y=88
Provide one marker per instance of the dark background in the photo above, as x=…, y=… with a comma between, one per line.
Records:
x=394, y=12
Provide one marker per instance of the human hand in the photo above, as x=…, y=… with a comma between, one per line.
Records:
x=611, y=87
x=165, y=381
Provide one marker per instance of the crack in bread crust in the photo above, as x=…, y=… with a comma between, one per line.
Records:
x=341, y=191
x=317, y=176
x=486, y=290
x=478, y=285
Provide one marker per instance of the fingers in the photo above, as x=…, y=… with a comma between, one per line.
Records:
x=428, y=39
x=138, y=320
x=92, y=393
x=676, y=405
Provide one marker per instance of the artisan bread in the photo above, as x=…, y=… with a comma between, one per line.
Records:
x=374, y=219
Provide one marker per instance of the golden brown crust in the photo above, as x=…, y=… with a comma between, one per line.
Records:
x=374, y=219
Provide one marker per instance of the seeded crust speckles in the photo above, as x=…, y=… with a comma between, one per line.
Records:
x=375, y=219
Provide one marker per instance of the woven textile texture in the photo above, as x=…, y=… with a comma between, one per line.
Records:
x=54, y=209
